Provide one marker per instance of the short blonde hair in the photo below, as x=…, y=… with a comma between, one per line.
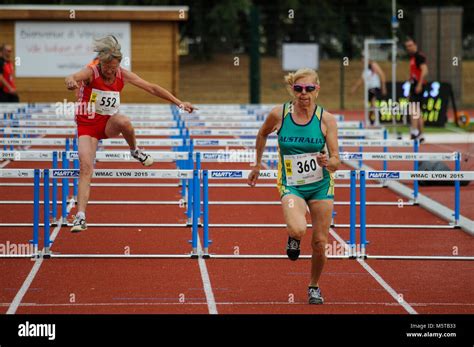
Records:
x=108, y=48
x=292, y=77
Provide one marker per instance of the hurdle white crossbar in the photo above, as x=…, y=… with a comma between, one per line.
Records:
x=17, y=173
x=71, y=123
x=104, y=156
x=157, y=124
x=346, y=256
x=223, y=156
x=180, y=203
x=123, y=256
x=72, y=131
x=264, y=174
x=256, y=124
x=198, y=142
x=419, y=257
x=105, y=173
x=121, y=184
x=53, y=116
x=120, y=173
x=421, y=175
x=110, y=225
x=344, y=226
x=378, y=133
x=397, y=156
x=220, y=116
x=269, y=256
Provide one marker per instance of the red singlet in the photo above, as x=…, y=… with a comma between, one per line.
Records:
x=103, y=96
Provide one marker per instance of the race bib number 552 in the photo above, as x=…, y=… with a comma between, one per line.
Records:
x=302, y=169
x=105, y=102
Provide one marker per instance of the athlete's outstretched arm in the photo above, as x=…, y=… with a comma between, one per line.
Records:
x=83, y=75
x=155, y=90
x=332, y=142
x=269, y=125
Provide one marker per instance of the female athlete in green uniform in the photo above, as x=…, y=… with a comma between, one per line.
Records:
x=305, y=172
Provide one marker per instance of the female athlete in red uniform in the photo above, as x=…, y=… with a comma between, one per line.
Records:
x=97, y=113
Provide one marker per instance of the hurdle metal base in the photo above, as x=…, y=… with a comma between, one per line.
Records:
x=123, y=256
x=17, y=256
x=267, y=256
x=185, y=225
x=373, y=226
x=419, y=257
x=177, y=202
x=128, y=185
x=356, y=256
x=272, y=185
x=400, y=226
x=139, y=225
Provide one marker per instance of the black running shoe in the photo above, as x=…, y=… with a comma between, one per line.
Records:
x=78, y=225
x=421, y=138
x=314, y=296
x=293, y=248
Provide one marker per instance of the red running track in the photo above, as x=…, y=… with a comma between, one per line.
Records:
x=233, y=285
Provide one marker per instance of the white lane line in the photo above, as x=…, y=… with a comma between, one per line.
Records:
x=31, y=276
x=34, y=270
x=230, y=303
x=206, y=282
x=24, y=288
x=5, y=163
x=398, y=297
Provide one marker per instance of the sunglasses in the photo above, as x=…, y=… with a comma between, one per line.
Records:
x=308, y=87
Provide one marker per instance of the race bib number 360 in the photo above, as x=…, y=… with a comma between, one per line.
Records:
x=105, y=102
x=302, y=169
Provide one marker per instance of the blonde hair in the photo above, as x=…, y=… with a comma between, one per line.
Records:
x=108, y=48
x=292, y=77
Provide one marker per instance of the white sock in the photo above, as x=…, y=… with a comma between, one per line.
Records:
x=414, y=131
x=81, y=215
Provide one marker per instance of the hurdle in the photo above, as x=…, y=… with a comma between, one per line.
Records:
x=198, y=142
x=354, y=250
x=117, y=173
x=369, y=133
x=228, y=157
x=159, y=124
x=409, y=175
x=34, y=174
x=266, y=175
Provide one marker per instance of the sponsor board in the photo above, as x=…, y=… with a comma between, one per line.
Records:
x=383, y=174
x=214, y=155
x=58, y=173
x=355, y=156
x=206, y=142
x=226, y=174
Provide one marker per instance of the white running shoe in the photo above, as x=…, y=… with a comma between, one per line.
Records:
x=78, y=225
x=142, y=157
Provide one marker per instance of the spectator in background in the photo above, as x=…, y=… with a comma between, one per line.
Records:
x=7, y=84
x=418, y=73
x=375, y=79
